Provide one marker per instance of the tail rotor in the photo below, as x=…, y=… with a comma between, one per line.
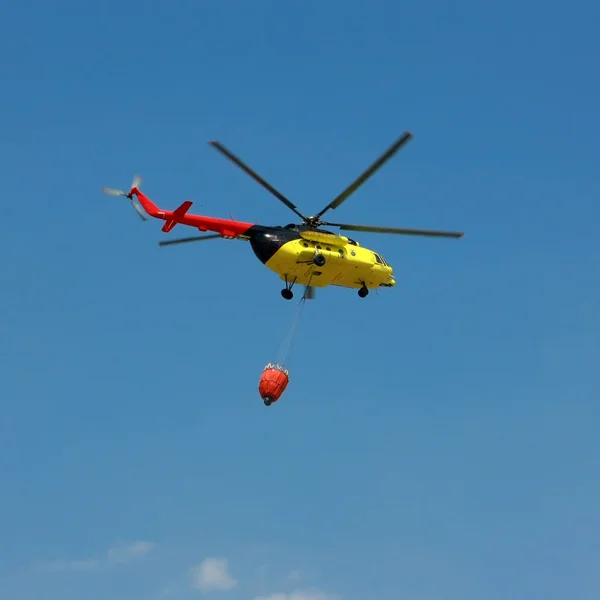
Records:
x=135, y=184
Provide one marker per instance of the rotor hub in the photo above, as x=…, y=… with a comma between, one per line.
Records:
x=312, y=222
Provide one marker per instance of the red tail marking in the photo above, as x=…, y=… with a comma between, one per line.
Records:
x=225, y=227
x=178, y=213
x=148, y=205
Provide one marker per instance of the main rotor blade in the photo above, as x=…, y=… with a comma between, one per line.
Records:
x=256, y=177
x=402, y=231
x=197, y=238
x=405, y=137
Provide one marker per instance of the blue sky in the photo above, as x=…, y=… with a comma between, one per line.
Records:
x=437, y=441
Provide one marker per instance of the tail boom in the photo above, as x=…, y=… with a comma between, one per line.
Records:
x=227, y=228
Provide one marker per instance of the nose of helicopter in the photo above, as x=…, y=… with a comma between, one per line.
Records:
x=392, y=280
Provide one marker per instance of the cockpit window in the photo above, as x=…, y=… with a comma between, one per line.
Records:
x=378, y=258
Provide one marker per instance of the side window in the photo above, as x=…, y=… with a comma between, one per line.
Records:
x=377, y=258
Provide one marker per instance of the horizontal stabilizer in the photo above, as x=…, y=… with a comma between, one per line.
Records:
x=177, y=214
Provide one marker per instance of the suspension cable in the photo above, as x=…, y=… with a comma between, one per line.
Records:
x=285, y=348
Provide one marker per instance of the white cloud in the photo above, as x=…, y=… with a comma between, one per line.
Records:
x=126, y=552
x=311, y=594
x=117, y=555
x=212, y=574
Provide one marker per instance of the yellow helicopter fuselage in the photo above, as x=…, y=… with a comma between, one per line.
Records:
x=318, y=258
x=351, y=267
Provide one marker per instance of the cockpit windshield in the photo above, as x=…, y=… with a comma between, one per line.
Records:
x=379, y=259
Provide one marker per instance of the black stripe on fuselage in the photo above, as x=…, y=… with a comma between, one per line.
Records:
x=266, y=241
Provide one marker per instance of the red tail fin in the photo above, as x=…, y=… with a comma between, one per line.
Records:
x=177, y=214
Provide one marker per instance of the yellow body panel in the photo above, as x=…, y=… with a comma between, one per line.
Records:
x=321, y=237
x=345, y=265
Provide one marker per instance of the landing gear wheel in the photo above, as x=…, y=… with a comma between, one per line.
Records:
x=286, y=292
x=267, y=402
x=363, y=292
x=319, y=260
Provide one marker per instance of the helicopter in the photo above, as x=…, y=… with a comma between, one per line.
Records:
x=304, y=253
